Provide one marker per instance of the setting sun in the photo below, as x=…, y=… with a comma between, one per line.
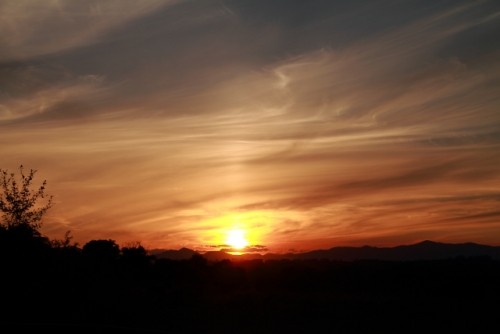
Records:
x=239, y=231
x=236, y=239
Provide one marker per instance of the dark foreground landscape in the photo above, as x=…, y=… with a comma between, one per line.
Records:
x=102, y=288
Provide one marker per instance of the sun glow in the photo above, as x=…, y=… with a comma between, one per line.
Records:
x=239, y=232
x=236, y=239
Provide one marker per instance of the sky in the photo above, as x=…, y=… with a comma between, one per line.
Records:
x=293, y=124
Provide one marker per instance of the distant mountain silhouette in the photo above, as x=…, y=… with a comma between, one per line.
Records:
x=425, y=250
x=172, y=254
x=220, y=255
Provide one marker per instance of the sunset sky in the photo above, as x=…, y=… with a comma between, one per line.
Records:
x=295, y=124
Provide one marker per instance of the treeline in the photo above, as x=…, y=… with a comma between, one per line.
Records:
x=103, y=288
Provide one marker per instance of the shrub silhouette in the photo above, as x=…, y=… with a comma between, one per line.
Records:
x=101, y=250
x=19, y=203
x=22, y=215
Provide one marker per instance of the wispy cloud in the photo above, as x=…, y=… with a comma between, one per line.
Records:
x=34, y=28
x=337, y=122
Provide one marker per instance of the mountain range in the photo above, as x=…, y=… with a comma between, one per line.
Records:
x=425, y=250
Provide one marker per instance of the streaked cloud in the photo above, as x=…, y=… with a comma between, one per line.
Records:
x=321, y=122
x=35, y=28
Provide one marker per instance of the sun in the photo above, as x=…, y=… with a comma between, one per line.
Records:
x=236, y=239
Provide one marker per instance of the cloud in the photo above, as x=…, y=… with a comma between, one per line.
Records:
x=39, y=28
x=248, y=249
x=149, y=118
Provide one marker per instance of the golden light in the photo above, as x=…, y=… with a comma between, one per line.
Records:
x=238, y=230
x=236, y=239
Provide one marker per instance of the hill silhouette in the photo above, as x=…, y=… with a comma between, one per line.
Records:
x=171, y=254
x=425, y=250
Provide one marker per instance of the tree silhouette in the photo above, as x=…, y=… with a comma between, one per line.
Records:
x=20, y=203
x=101, y=250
